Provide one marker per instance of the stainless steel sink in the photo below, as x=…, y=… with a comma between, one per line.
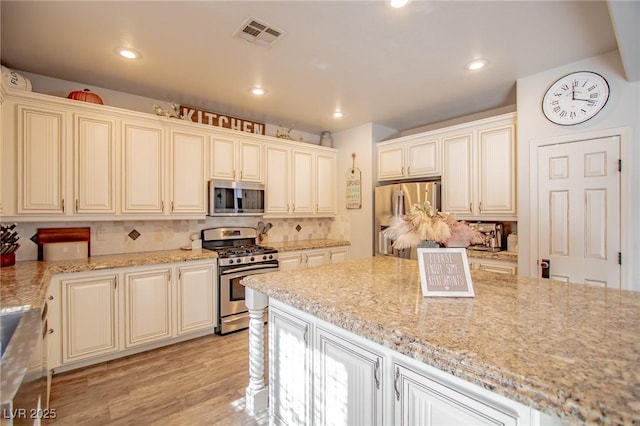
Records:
x=21, y=363
x=8, y=323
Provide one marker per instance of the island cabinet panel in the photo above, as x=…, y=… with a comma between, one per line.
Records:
x=90, y=317
x=290, y=373
x=147, y=306
x=422, y=400
x=299, y=259
x=348, y=388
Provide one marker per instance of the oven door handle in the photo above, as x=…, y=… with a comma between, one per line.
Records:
x=248, y=268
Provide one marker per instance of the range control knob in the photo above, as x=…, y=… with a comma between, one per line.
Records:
x=230, y=261
x=252, y=258
x=270, y=256
x=264, y=257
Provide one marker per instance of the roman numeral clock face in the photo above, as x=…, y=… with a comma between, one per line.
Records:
x=575, y=98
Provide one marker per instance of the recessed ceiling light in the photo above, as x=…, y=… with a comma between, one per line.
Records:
x=398, y=3
x=128, y=53
x=477, y=64
x=337, y=114
x=258, y=91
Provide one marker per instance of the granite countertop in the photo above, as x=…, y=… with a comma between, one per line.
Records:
x=493, y=255
x=25, y=284
x=308, y=244
x=568, y=350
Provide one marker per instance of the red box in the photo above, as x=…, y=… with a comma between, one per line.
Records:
x=7, y=259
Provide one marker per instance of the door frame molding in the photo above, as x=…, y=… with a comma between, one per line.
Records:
x=624, y=133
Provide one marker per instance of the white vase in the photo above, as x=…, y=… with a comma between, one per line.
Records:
x=325, y=139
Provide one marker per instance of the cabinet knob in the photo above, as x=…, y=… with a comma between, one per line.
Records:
x=408, y=170
x=470, y=207
x=63, y=205
x=480, y=207
x=50, y=331
x=50, y=298
x=77, y=205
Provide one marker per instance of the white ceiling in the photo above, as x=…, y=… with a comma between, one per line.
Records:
x=401, y=68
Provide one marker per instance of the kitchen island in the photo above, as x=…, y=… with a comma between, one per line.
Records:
x=569, y=351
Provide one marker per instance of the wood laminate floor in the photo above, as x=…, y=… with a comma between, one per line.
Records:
x=198, y=382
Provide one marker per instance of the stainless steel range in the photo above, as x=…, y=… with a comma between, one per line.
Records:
x=238, y=256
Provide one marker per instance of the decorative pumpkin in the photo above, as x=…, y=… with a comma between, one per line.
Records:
x=85, y=95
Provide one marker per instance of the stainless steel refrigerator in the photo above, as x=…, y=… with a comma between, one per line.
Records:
x=396, y=199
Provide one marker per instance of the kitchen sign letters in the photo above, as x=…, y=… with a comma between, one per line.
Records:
x=214, y=119
x=444, y=272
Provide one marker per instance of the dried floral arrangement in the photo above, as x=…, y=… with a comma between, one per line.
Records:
x=426, y=223
x=175, y=113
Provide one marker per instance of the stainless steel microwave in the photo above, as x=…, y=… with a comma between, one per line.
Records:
x=235, y=198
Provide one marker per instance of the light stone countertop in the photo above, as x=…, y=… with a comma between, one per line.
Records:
x=25, y=284
x=568, y=350
x=307, y=244
x=493, y=255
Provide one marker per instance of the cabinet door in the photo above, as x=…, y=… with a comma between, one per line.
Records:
x=250, y=158
x=423, y=158
x=277, y=180
x=325, y=189
x=456, y=175
x=289, y=369
x=147, y=304
x=143, y=169
x=89, y=317
x=419, y=400
x=498, y=266
x=41, y=160
x=342, y=368
x=196, y=298
x=338, y=255
x=302, y=182
x=223, y=159
x=391, y=162
x=497, y=171
x=95, y=164
x=289, y=262
x=315, y=258
x=188, y=183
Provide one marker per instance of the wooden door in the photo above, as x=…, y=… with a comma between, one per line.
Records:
x=579, y=210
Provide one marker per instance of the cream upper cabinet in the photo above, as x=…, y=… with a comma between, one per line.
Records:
x=409, y=157
x=95, y=141
x=479, y=170
x=143, y=168
x=188, y=153
x=236, y=159
x=457, y=172
x=277, y=159
x=300, y=182
x=41, y=160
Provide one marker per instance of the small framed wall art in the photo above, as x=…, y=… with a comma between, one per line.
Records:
x=444, y=272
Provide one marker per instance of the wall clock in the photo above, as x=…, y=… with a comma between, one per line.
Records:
x=575, y=98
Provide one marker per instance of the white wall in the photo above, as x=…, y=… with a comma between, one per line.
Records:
x=360, y=141
x=622, y=111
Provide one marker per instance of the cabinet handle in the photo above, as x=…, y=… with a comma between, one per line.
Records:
x=179, y=275
x=50, y=298
x=306, y=259
x=470, y=207
x=50, y=331
x=63, y=205
x=240, y=174
x=395, y=384
x=76, y=205
x=376, y=372
x=480, y=207
x=115, y=286
x=172, y=206
x=162, y=205
x=402, y=171
x=316, y=208
x=306, y=335
x=293, y=207
x=234, y=175
x=408, y=170
x=288, y=211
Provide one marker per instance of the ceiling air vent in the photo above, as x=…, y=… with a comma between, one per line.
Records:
x=257, y=32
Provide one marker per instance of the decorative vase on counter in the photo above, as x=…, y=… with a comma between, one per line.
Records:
x=325, y=139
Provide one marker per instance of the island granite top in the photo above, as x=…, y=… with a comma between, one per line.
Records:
x=568, y=350
x=25, y=284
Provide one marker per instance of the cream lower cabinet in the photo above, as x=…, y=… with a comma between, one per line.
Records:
x=89, y=316
x=290, y=374
x=147, y=304
x=421, y=399
x=290, y=260
x=341, y=367
x=499, y=266
x=322, y=374
x=97, y=316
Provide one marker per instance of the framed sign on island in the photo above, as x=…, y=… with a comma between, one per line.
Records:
x=444, y=272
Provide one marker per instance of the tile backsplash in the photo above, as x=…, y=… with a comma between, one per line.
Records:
x=114, y=237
